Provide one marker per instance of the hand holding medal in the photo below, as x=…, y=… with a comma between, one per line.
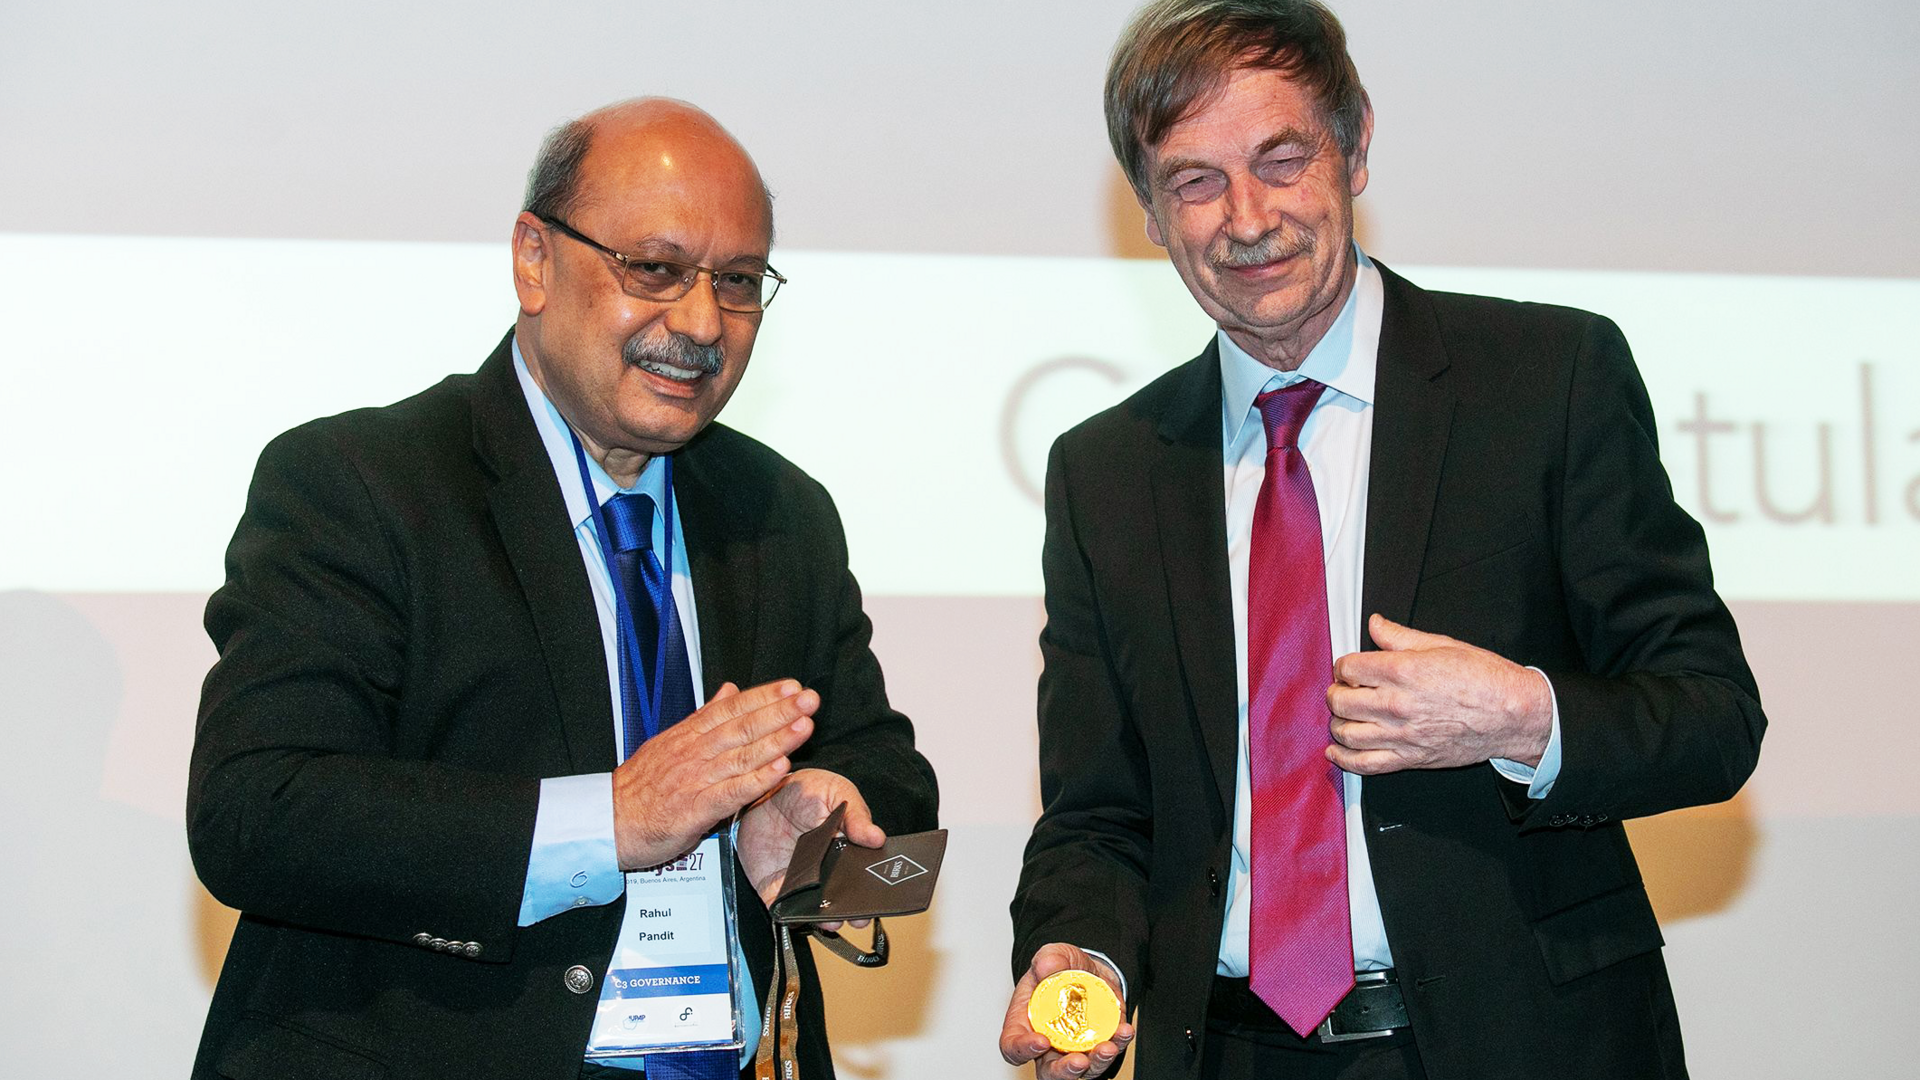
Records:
x=1066, y=1016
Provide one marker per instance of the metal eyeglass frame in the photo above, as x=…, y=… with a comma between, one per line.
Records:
x=689, y=273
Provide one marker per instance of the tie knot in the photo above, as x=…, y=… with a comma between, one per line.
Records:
x=1285, y=412
x=630, y=519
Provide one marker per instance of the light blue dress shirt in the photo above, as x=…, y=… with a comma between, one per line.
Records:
x=574, y=861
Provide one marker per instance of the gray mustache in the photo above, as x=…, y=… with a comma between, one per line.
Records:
x=1275, y=245
x=670, y=347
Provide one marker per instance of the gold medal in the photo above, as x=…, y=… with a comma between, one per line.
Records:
x=1075, y=1010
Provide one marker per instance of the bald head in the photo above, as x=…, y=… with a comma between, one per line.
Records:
x=664, y=131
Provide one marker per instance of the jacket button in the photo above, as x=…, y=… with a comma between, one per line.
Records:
x=472, y=950
x=438, y=944
x=423, y=939
x=578, y=979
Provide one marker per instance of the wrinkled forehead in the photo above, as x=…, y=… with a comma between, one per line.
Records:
x=1244, y=88
x=1249, y=113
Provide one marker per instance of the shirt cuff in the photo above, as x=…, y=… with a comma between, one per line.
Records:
x=574, y=862
x=1115, y=968
x=1539, y=779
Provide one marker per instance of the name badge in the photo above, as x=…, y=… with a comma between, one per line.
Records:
x=671, y=984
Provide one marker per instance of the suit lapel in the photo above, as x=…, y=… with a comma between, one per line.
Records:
x=1189, y=505
x=530, y=515
x=725, y=564
x=1413, y=413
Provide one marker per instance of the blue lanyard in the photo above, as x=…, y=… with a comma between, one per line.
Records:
x=623, y=612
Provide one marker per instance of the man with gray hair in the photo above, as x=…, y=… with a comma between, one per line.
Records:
x=1366, y=628
x=527, y=684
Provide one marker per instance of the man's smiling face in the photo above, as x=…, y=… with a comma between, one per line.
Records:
x=630, y=374
x=1253, y=200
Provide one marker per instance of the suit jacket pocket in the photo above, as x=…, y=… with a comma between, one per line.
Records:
x=1459, y=548
x=261, y=1046
x=1597, y=933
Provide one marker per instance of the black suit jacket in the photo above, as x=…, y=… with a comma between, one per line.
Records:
x=408, y=644
x=1517, y=502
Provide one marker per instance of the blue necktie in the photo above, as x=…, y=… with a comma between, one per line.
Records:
x=650, y=600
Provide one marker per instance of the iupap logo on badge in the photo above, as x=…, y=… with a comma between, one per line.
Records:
x=896, y=870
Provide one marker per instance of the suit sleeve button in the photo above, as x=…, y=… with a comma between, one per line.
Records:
x=472, y=950
x=423, y=938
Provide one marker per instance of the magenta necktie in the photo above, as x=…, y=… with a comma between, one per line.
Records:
x=1302, y=943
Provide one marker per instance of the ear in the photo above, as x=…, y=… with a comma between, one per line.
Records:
x=1153, y=227
x=532, y=263
x=1357, y=161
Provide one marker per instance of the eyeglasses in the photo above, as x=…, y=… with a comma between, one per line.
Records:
x=747, y=292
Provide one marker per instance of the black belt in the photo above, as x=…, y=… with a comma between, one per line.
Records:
x=1372, y=1009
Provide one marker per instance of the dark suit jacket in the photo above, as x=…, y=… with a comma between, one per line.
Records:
x=1516, y=502
x=407, y=646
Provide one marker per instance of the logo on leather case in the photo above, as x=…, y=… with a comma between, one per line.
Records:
x=896, y=870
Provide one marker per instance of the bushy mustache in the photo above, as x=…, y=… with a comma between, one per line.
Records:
x=1274, y=246
x=674, y=348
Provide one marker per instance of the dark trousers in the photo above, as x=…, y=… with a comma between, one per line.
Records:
x=1246, y=1041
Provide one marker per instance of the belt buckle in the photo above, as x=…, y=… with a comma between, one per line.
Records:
x=1325, y=1030
x=1327, y=1035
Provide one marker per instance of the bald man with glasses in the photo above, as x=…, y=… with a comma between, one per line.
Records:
x=501, y=657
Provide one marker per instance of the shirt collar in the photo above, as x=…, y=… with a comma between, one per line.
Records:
x=557, y=437
x=1344, y=359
